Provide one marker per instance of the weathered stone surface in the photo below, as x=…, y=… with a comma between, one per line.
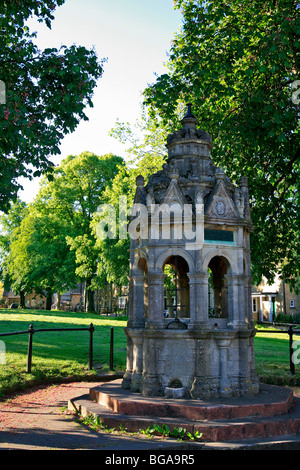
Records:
x=199, y=223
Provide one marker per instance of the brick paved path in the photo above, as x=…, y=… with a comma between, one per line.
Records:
x=35, y=421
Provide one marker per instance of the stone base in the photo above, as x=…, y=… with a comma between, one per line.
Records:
x=206, y=363
x=272, y=412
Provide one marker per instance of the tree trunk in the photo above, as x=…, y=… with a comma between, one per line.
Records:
x=49, y=299
x=22, y=299
x=89, y=297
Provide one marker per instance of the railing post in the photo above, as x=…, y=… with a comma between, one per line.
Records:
x=91, y=330
x=29, y=354
x=292, y=365
x=111, y=356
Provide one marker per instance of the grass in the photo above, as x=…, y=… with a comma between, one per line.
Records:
x=59, y=356
x=180, y=434
x=272, y=357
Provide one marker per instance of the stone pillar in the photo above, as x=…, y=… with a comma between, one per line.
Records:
x=233, y=300
x=129, y=362
x=137, y=362
x=201, y=387
x=155, y=300
x=199, y=283
x=244, y=362
x=130, y=304
x=248, y=299
x=223, y=343
x=151, y=384
x=138, y=320
x=241, y=300
x=193, y=300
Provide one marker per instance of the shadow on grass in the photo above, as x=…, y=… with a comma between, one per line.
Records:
x=64, y=345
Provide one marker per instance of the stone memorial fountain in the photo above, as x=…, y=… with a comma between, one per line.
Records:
x=190, y=331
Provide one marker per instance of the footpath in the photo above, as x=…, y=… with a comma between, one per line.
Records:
x=38, y=420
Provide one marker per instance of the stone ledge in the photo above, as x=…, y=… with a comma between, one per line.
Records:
x=270, y=401
x=238, y=433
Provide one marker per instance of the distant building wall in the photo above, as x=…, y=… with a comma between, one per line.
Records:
x=269, y=300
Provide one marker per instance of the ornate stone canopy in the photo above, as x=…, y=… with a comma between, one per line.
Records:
x=190, y=286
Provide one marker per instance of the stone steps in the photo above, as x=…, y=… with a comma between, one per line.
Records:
x=274, y=412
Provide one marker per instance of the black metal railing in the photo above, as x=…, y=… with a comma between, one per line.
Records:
x=291, y=332
x=31, y=331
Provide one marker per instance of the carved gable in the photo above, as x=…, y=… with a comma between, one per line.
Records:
x=174, y=195
x=220, y=203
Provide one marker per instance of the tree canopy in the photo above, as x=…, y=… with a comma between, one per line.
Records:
x=46, y=93
x=52, y=246
x=236, y=62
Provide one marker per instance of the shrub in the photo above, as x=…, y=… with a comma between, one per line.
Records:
x=281, y=318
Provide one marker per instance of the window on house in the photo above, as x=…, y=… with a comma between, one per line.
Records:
x=292, y=303
x=254, y=305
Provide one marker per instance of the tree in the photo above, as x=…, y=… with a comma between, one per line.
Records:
x=53, y=246
x=146, y=154
x=46, y=93
x=39, y=258
x=74, y=195
x=10, y=222
x=146, y=141
x=236, y=62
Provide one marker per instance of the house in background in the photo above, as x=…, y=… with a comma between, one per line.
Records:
x=32, y=300
x=71, y=300
x=269, y=300
x=111, y=299
x=108, y=300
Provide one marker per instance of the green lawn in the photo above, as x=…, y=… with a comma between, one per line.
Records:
x=272, y=357
x=57, y=355
x=64, y=355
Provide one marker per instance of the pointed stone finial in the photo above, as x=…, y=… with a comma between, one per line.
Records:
x=140, y=181
x=189, y=111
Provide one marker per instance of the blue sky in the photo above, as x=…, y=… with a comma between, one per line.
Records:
x=134, y=36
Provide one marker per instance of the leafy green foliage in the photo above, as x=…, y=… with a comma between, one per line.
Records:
x=236, y=62
x=53, y=246
x=46, y=94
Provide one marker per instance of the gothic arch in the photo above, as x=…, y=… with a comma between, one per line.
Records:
x=141, y=255
x=173, y=252
x=221, y=253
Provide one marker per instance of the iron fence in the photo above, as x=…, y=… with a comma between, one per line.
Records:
x=31, y=331
x=291, y=332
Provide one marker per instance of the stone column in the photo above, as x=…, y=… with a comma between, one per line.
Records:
x=138, y=320
x=248, y=299
x=201, y=387
x=193, y=300
x=151, y=385
x=199, y=283
x=127, y=376
x=137, y=362
x=223, y=343
x=233, y=300
x=244, y=362
x=155, y=300
x=253, y=373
